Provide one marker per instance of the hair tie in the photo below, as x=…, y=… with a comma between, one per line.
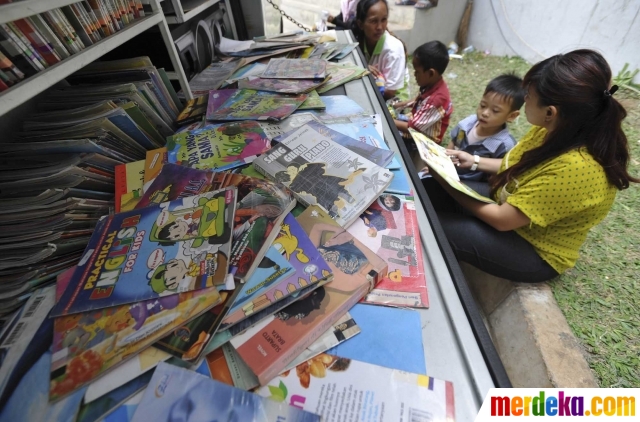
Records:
x=609, y=92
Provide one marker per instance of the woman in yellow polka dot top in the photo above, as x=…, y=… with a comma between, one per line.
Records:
x=557, y=183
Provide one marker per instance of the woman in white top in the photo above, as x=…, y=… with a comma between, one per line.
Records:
x=384, y=52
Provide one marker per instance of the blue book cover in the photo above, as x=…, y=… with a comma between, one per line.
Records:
x=340, y=108
x=389, y=337
x=160, y=250
x=180, y=394
x=399, y=184
x=126, y=124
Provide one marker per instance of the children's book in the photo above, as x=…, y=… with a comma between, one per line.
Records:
x=87, y=345
x=248, y=104
x=152, y=252
x=357, y=144
x=339, y=109
x=195, y=110
x=129, y=180
x=217, y=97
x=218, y=147
x=313, y=102
x=341, y=74
x=295, y=69
x=153, y=163
x=253, y=69
x=175, y=393
x=267, y=348
x=437, y=159
x=399, y=184
x=283, y=86
x=295, y=248
x=277, y=129
x=389, y=227
x=319, y=171
x=365, y=391
x=261, y=208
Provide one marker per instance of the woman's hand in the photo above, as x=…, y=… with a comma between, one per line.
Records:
x=460, y=159
x=375, y=72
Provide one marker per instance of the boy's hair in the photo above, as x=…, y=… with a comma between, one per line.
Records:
x=509, y=88
x=432, y=55
x=163, y=233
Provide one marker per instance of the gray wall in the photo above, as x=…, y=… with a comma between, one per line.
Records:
x=538, y=29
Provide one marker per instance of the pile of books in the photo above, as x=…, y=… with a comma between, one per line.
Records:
x=239, y=249
x=32, y=44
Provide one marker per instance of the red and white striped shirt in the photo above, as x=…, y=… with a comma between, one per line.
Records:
x=431, y=111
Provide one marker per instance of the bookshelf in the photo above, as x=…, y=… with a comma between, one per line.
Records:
x=38, y=83
x=187, y=9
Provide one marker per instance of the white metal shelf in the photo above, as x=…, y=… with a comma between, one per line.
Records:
x=196, y=6
x=22, y=9
x=30, y=87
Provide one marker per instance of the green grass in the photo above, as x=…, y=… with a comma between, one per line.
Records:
x=600, y=297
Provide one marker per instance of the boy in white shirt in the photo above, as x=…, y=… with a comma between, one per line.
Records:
x=485, y=133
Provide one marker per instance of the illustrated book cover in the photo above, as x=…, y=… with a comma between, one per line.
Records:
x=218, y=147
x=283, y=86
x=295, y=69
x=151, y=252
x=195, y=110
x=367, y=392
x=319, y=171
x=86, y=345
x=267, y=348
x=129, y=179
x=249, y=104
x=180, y=394
x=389, y=227
x=260, y=210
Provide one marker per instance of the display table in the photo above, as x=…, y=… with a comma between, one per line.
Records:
x=457, y=346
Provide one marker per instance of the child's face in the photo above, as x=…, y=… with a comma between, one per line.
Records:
x=179, y=230
x=375, y=23
x=494, y=111
x=174, y=273
x=424, y=77
x=389, y=202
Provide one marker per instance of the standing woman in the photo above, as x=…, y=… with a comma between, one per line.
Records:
x=385, y=53
x=556, y=184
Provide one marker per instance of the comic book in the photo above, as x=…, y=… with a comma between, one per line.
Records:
x=319, y=171
x=174, y=391
x=283, y=86
x=267, y=348
x=261, y=208
x=129, y=180
x=313, y=102
x=153, y=252
x=248, y=104
x=298, y=251
x=86, y=345
x=218, y=147
x=436, y=158
x=295, y=69
x=389, y=227
x=387, y=395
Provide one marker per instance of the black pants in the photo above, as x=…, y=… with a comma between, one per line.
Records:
x=502, y=254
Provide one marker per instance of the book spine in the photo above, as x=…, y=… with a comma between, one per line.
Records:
x=3, y=85
x=25, y=45
x=134, y=9
x=16, y=55
x=97, y=23
x=52, y=21
x=115, y=16
x=66, y=25
x=13, y=73
x=6, y=79
x=140, y=8
x=107, y=14
x=85, y=21
x=38, y=41
x=58, y=46
x=76, y=25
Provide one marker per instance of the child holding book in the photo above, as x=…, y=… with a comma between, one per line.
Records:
x=485, y=133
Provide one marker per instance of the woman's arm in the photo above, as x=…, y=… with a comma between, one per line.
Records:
x=503, y=217
x=464, y=160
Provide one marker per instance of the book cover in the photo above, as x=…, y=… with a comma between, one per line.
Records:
x=295, y=69
x=248, y=104
x=267, y=348
x=313, y=102
x=283, y=86
x=339, y=109
x=195, y=110
x=129, y=179
x=296, y=248
x=261, y=208
x=435, y=156
x=365, y=391
x=154, y=160
x=341, y=74
x=152, y=252
x=276, y=129
x=87, y=345
x=389, y=227
x=216, y=98
x=180, y=394
x=319, y=171
x=218, y=147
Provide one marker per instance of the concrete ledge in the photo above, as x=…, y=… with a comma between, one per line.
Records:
x=530, y=332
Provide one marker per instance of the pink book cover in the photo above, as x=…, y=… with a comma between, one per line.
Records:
x=217, y=97
x=268, y=347
x=389, y=227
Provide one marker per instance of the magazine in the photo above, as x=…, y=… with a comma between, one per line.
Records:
x=267, y=348
x=389, y=227
x=217, y=97
x=87, y=345
x=321, y=172
x=341, y=74
x=295, y=69
x=283, y=86
x=153, y=252
x=297, y=250
x=248, y=104
x=437, y=159
x=195, y=110
x=313, y=102
x=218, y=147
x=174, y=391
x=367, y=392
x=261, y=208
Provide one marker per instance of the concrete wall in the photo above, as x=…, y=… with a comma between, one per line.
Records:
x=538, y=29
x=438, y=23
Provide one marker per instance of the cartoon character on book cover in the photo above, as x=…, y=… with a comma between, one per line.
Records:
x=248, y=104
x=157, y=251
x=389, y=227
